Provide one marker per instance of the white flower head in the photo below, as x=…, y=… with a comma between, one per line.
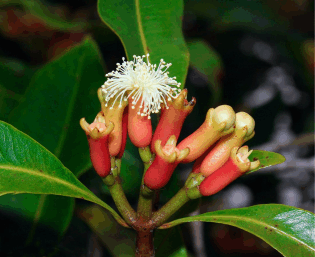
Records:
x=142, y=81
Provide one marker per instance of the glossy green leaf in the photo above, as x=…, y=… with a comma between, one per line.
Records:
x=60, y=93
x=120, y=241
x=266, y=159
x=287, y=229
x=42, y=11
x=28, y=167
x=152, y=27
x=208, y=62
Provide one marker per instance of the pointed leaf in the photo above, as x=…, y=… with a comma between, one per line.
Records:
x=266, y=159
x=27, y=167
x=287, y=229
x=152, y=27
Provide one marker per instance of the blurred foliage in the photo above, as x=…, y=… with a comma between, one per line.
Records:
x=247, y=38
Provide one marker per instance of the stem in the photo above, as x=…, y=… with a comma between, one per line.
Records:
x=121, y=202
x=170, y=207
x=145, y=203
x=113, y=183
x=146, y=195
x=144, y=243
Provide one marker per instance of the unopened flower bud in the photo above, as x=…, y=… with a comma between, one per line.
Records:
x=139, y=126
x=113, y=112
x=98, y=136
x=244, y=130
x=167, y=158
x=172, y=118
x=236, y=165
x=219, y=122
x=124, y=134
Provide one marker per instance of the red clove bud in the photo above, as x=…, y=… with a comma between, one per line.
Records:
x=98, y=137
x=166, y=159
x=236, y=165
x=172, y=118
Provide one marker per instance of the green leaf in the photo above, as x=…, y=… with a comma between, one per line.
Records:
x=251, y=15
x=59, y=95
x=118, y=240
x=152, y=27
x=15, y=78
x=266, y=159
x=208, y=62
x=28, y=167
x=287, y=229
x=41, y=10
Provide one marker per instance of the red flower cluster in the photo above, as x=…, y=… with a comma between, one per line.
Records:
x=215, y=146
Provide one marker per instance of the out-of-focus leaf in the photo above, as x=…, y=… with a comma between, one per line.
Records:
x=15, y=78
x=252, y=15
x=61, y=93
x=207, y=61
x=152, y=27
x=266, y=159
x=121, y=241
x=170, y=243
x=118, y=240
x=27, y=167
x=287, y=229
x=40, y=10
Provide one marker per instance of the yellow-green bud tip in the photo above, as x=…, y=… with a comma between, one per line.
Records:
x=244, y=119
x=224, y=113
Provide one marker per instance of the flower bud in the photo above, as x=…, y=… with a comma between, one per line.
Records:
x=172, y=118
x=199, y=160
x=139, y=125
x=124, y=134
x=98, y=137
x=166, y=160
x=244, y=130
x=236, y=165
x=113, y=112
x=219, y=122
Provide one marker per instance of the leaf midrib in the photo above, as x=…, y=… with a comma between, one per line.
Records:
x=139, y=22
x=242, y=219
x=42, y=174
x=90, y=197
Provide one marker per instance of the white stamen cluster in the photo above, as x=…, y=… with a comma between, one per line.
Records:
x=140, y=79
